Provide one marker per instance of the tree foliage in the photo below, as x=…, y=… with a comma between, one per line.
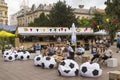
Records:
x=106, y=22
x=42, y=20
x=84, y=22
x=62, y=15
x=113, y=8
x=113, y=11
x=98, y=21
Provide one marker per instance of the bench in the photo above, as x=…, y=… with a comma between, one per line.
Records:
x=114, y=75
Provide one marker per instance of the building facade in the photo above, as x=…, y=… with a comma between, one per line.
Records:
x=33, y=13
x=13, y=17
x=36, y=11
x=3, y=12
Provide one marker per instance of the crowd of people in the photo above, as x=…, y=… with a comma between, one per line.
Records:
x=59, y=52
x=99, y=49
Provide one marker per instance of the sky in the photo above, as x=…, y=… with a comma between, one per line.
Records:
x=14, y=5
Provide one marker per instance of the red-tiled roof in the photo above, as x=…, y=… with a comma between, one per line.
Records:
x=100, y=10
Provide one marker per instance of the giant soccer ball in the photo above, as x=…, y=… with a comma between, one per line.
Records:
x=88, y=69
x=38, y=60
x=9, y=55
x=23, y=55
x=48, y=62
x=68, y=68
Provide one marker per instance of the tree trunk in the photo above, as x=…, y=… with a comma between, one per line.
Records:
x=112, y=36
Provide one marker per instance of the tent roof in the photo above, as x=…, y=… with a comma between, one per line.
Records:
x=52, y=31
x=8, y=27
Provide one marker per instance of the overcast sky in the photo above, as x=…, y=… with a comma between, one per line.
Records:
x=14, y=5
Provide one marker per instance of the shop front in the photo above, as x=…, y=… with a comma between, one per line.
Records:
x=46, y=35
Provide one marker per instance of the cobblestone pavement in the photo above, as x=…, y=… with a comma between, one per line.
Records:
x=25, y=70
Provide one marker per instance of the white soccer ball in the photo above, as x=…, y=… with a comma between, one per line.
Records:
x=48, y=62
x=68, y=67
x=23, y=55
x=38, y=60
x=88, y=69
x=10, y=57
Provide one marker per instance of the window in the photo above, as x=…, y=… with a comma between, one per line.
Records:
x=6, y=22
x=6, y=13
x=0, y=13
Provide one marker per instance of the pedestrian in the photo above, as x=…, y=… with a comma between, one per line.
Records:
x=118, y=43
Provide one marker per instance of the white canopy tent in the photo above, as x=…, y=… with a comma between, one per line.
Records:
x=101, y=32
x=118, y=33
x=53, y=31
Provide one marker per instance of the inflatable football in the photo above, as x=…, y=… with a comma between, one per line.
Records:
x=90, y=70
x=25, y=55
x=38, y=60
x=68, y=68
x=48, y=62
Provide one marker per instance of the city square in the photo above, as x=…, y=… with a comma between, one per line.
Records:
x=59, y=39
x=25, y=70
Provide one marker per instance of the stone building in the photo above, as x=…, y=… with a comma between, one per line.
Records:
x=35, y=12
x=13, y=17
x=3, y=12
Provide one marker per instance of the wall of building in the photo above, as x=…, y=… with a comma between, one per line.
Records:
x=3, y=13
x=34, y=12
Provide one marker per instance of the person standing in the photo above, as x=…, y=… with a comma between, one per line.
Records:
x=71, y=52
x=118, y=43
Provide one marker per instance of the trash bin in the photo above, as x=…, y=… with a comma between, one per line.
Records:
x=86, y=46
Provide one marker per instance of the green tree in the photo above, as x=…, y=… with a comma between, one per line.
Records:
x=42, y=20
x=113, y=11
x=31, y=24
x=111, y=26
x=98, y=21
x=113, y=8
x=62, y=15
x=84, y=22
